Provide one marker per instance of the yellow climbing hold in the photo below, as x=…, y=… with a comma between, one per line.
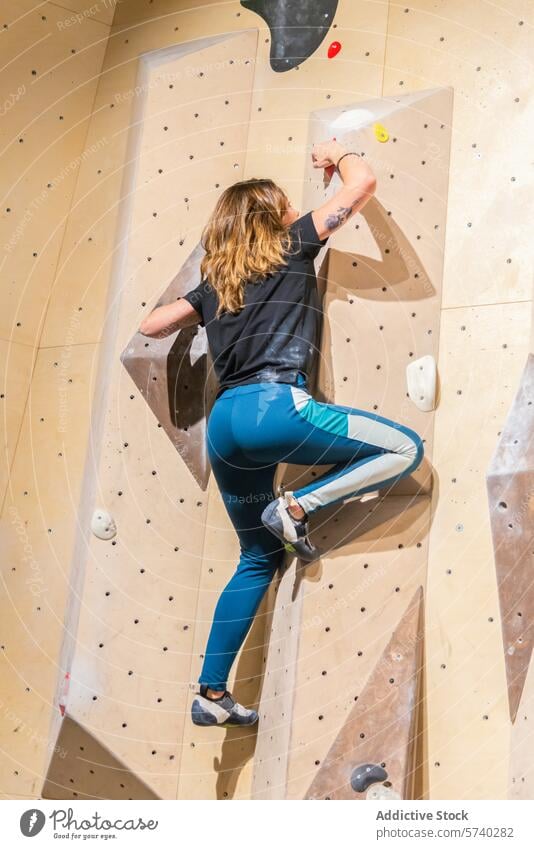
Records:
x=381, y=133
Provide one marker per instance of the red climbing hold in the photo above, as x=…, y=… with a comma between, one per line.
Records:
x=334, y=49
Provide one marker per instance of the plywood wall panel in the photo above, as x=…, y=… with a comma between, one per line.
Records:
x=520, y=774
x=174, y=17
x=84, y=769
x=43, y=132
x=36, y=533
x=482, y=357
x=385, y=269
x=88, y=250
x=485, y=58
x=151, y=39
x=168, y=176
x=217, y=762
x=510, y=482
x=482, y=349
x=136, y=659
x=375, y=305
x=381, y=729
x=349, y=603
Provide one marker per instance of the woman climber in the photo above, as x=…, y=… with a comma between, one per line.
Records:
x=257, y=299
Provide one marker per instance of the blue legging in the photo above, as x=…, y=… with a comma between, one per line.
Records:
x=251, y=429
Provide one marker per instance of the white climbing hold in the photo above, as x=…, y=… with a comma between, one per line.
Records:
x=421, y=379
x=103, y=525
x=380, y=791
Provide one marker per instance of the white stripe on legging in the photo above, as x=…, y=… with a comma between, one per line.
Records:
x=403, y=452
x=375, y=471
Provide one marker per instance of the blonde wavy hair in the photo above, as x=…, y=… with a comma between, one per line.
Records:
x=244, y=239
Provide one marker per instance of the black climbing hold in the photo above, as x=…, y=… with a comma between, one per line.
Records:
x=363, y=776
x=297, y=29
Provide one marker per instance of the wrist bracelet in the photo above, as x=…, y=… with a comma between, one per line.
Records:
x=349, y=153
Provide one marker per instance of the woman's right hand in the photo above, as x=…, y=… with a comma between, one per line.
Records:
x=326, y=153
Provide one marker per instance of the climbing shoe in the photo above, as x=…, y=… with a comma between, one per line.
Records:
x=293, y=532
x=222, y=711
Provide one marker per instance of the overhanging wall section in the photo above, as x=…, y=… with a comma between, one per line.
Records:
x=129, y=655
x=382, y=309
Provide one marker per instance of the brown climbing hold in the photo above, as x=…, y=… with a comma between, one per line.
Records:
x=175, y=377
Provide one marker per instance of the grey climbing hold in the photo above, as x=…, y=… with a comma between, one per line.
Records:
x=363, y=776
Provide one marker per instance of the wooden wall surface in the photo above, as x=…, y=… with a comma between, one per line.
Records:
x=69, y=97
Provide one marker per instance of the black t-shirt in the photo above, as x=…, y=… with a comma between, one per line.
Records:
x=276, y=334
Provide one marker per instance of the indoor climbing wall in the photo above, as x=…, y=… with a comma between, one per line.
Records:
x=217, y=764
x=130, y=658
x=246, y=101
x=520, y=775
x=382, y=307
x=51, y=61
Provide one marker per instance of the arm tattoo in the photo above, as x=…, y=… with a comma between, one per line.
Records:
x=167, y=330
x=337, y=218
